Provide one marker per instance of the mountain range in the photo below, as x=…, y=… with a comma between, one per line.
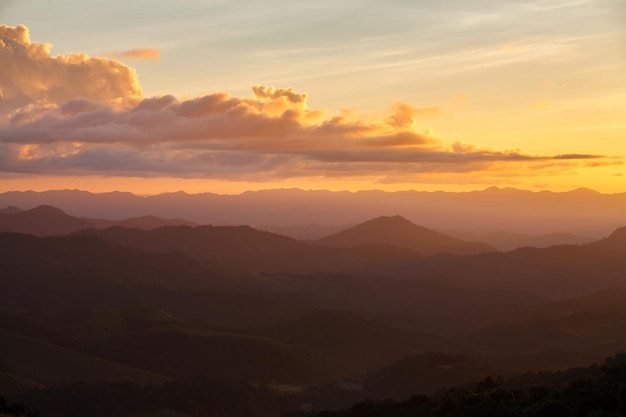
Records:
x=580, y=212
x=47, y=220
x=385, y=307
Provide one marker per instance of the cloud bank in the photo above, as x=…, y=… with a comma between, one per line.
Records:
x=74, y=115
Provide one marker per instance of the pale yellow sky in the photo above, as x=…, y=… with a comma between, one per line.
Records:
x=446, y=95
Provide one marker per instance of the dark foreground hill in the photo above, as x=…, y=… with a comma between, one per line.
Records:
x=260, y=251
x=79, y=306
x=593, y=391
x=351, y=339
x=67, y=257
x=589, y=391
x=86, y=292
x=554, y=272
x=557, y=271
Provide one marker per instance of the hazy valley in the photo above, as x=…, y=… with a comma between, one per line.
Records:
x=378, y=309
x=312, y=209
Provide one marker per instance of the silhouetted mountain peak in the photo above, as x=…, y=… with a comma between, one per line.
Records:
x=396, y=220
x=502, y=191
x=386, y=225
x=385, y=230
x=584, y=192
x=42, y=221
x=398, y=231
x=46, y=210
x=492, y=189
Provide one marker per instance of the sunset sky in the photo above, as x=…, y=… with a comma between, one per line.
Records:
x=228, y=96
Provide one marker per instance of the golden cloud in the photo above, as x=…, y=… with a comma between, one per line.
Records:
x=31, y=76
x=69, y=114
x=276, y=93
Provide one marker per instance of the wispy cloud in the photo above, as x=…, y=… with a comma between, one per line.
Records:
x=150, y=54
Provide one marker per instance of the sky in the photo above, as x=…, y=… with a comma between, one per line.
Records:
x=228, y=96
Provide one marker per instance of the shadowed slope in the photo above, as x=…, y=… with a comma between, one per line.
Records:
x=615, y=239
x=507, y=241
x=423, y=373
x=558, y=334
x=148, y=222
x=69, y=257
x=364, y=343
x=180, y=350
x=261, y=251
x=43, y=362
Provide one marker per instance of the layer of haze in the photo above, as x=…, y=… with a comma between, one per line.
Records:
x=405, y=95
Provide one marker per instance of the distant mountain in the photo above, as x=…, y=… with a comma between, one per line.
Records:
x=41, y=221
x=506, y=241
x=509, y=241
x=617, y=239
x=148, y=222
x=399, y=231
x=50, y=221
x=580, y=212
x=303, y=232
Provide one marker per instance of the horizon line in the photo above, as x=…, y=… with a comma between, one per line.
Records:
x=490, y=188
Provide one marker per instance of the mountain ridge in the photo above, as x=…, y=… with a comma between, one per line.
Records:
x=47, y=220
x=397, y=230
x=43, y=220
x=516, y=211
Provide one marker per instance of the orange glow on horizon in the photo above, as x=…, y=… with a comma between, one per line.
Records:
x=59, y=129
x=610, y=180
